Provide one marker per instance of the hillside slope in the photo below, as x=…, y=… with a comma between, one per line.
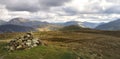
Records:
x=2, y=22
x=73, y=28
x=83, y=44
x=26, y=22
x=113, y=25
x=15, y=28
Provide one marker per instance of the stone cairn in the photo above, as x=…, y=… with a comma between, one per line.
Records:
x=25, y=42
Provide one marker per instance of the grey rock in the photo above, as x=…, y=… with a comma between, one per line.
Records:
x=25, y=42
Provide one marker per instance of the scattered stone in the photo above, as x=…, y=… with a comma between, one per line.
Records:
x=25, y=42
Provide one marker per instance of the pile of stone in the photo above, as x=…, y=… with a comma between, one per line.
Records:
x=25, y=42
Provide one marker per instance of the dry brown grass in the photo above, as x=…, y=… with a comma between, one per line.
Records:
x=102, y=44
x=86, y=44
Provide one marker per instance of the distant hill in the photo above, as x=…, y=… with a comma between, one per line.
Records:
x=14, y=28
x=73, y=28
x=50, y=28
x=2, y=22
x=45, y=26
x=39, y=25
x=26, y=22
x=18, y=21
x=73, y=23
x=91, y=25
x=81, y=24
x=113, y=25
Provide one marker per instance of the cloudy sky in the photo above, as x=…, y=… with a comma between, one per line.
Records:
x=61, y=10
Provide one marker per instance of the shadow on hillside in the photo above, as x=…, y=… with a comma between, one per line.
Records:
x=70, y=40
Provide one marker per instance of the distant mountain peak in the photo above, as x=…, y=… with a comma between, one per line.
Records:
x=15, y=28
x=113, y=25
x=2, y=22
x=73, y=23
x=19, y=20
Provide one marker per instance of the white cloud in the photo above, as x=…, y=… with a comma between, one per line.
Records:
x=80, y=10
x=4, y=13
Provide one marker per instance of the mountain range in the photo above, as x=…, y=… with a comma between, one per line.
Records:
x=73, y=28
x=2, y=22
x=113, y=25
x=81, y=24
x=25, y=24
x=91, y=25
x=15, y=28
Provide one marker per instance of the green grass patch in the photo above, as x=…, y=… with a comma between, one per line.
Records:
x=40, y=52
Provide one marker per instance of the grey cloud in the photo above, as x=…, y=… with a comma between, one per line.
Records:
x=71, y=11
x=67, y=11
x=114, y=9
x=20, y=5
x=30, y=5
x=23, y=7
x=44, y=5
x=51, y=3
x=113, y=1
